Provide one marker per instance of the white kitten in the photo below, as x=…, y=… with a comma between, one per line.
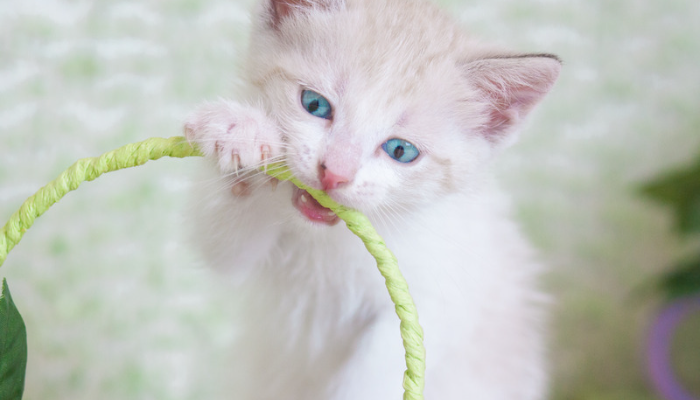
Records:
x=389, y=107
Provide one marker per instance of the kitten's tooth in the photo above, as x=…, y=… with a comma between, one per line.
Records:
x=331, y=213
x=303, y=198
x=274, y=182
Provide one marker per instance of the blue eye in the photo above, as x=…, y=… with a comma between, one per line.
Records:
x=400, y=150
x=316, y=104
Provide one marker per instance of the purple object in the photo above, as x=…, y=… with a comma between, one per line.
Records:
x=659, y=348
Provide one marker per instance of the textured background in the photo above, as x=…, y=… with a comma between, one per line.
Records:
x=117, y=307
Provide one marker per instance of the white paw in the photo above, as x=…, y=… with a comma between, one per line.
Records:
x=240, y=138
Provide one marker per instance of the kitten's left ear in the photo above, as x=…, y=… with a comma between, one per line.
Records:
x=511, y=86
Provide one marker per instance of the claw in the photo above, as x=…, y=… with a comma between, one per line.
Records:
x=265, y=149
x=236, y=163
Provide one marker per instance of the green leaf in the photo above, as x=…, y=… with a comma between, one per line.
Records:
x=684, y=280
x=681, y=191
x=13, y=348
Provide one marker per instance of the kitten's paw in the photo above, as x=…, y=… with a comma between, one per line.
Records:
x=240, y=138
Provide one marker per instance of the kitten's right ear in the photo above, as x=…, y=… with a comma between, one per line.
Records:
x=511, y=86
x=281, y=9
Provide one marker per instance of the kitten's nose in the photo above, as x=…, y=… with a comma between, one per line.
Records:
x=330, y=180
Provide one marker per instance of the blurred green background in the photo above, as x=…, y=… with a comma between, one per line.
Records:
x=118, y=307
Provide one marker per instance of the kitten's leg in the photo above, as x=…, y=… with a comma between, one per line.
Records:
x=234, y=216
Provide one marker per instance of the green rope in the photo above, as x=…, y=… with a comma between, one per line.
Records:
x=136, y=154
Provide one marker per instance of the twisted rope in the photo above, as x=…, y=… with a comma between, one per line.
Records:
x=136, y=154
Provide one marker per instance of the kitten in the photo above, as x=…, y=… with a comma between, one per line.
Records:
x=389, y=107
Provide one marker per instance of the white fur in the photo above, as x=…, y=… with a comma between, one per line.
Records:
x=318, y=321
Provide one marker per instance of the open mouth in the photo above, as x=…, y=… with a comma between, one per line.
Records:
x=311, y=209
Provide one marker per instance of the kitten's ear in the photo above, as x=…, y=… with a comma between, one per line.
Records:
x=281, y=9
x=511, y=86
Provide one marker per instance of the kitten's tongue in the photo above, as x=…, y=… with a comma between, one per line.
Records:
x=310, y=208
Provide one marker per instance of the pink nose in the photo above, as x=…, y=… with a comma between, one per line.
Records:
x=329, y=180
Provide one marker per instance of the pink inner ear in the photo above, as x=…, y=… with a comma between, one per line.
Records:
x=283, y=8
x=510, y=106
x=512, y=86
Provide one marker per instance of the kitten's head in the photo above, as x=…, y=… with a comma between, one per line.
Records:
x=386, y=103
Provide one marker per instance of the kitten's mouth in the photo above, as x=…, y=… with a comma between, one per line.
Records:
x=311, y=209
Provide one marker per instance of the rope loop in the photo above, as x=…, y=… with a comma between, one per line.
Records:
x=136, y=154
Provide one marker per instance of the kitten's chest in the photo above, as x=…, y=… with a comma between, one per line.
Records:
x=330, y=267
